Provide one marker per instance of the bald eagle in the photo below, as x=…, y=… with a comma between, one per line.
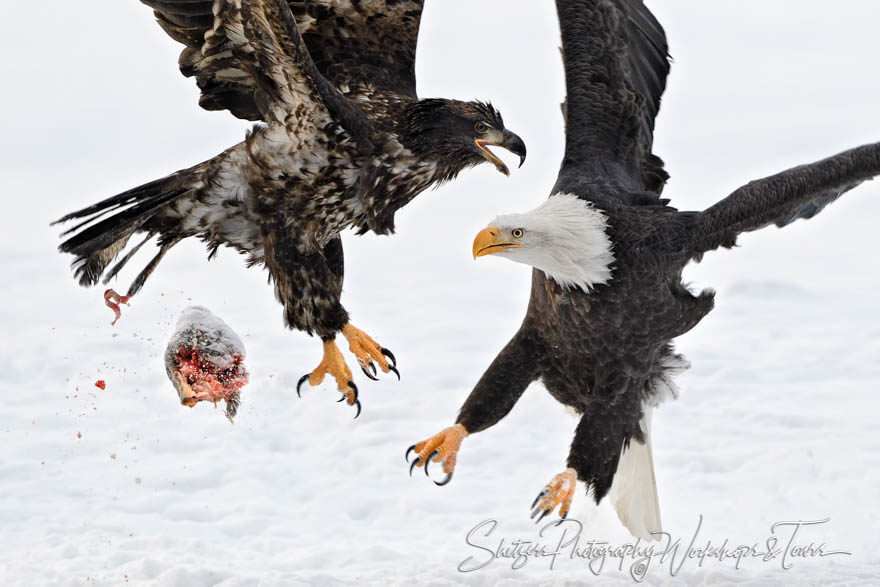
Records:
x=608, y=252
x=344, y=142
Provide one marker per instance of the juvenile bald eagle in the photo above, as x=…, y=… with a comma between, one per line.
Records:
x=345, y=142
x=607, y=294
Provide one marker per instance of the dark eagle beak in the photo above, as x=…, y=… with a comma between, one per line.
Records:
x=489, y=240
x=506, y=140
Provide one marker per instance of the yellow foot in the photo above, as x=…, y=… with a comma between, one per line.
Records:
x=559, y=491
x=440, y=448
x=368, y=350
x=334, y=364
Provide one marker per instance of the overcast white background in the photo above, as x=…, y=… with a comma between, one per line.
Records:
x=777, y=419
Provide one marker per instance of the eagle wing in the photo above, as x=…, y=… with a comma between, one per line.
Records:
x=616, y=63
x=800, y=192
x=268, y=44
x=365, y=49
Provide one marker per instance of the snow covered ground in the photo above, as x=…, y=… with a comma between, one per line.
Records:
x=776, y=422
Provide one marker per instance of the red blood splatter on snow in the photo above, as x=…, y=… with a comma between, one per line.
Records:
x=78, y=435
x=100, y=384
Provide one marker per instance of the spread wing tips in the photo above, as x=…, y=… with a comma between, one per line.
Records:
x=648, y=24
x=816, y=205
x=651, y=52
x=800, y=192
x=616, y=63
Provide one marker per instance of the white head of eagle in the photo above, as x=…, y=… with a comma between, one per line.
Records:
x=564, y=237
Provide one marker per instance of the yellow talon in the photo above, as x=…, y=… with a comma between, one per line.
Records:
x=364, y=348
x=332, y=363
x=559, y=492
x=445, y=445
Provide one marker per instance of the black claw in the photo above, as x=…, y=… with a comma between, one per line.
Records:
x=562, y=518
x=413, y=466
x=428, y=461
x=543, y=515
x=370, y=375
x=537, y=499
x=409, y=450
x=394, y=370
x=445, y=481
x=300, y=382
x=390, y=355
x=344, y=397
x=358, y=404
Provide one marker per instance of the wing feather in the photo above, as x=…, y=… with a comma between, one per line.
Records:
x=800, y=192
x=272, y=50
x=365, y=48
x=268, y=44
x=616, y=64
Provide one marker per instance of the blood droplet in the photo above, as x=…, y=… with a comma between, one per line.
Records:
x=100, y=384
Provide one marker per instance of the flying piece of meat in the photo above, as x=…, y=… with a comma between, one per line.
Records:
x=204, y=360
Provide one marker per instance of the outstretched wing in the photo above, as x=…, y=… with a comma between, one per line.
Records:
x=800, y=192
x=366, y=49
x=267, y=42
x=616, y=64
x=208, y=55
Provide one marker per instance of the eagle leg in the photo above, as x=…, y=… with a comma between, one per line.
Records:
x=334, y=364
x=368, y=350
x=442, y=447
x=559, y=492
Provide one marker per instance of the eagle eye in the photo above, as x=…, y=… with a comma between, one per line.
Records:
x=481, y=127
x=518, y=232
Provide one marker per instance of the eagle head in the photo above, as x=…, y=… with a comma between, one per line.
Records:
x=565, y=237
x=459, y=134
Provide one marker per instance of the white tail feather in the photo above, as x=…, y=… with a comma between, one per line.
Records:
x=634, y=489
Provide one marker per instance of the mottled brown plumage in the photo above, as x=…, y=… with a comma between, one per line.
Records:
x=344, y=142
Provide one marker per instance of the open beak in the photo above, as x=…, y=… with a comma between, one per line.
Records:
x=506, y=140
x=489, y=241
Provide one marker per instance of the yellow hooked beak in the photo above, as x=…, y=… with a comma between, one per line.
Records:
x=489, y=240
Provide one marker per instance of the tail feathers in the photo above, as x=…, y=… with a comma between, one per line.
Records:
x=96, y=241
x=634, y=490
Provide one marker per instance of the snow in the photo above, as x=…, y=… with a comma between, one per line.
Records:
x=777, y=419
